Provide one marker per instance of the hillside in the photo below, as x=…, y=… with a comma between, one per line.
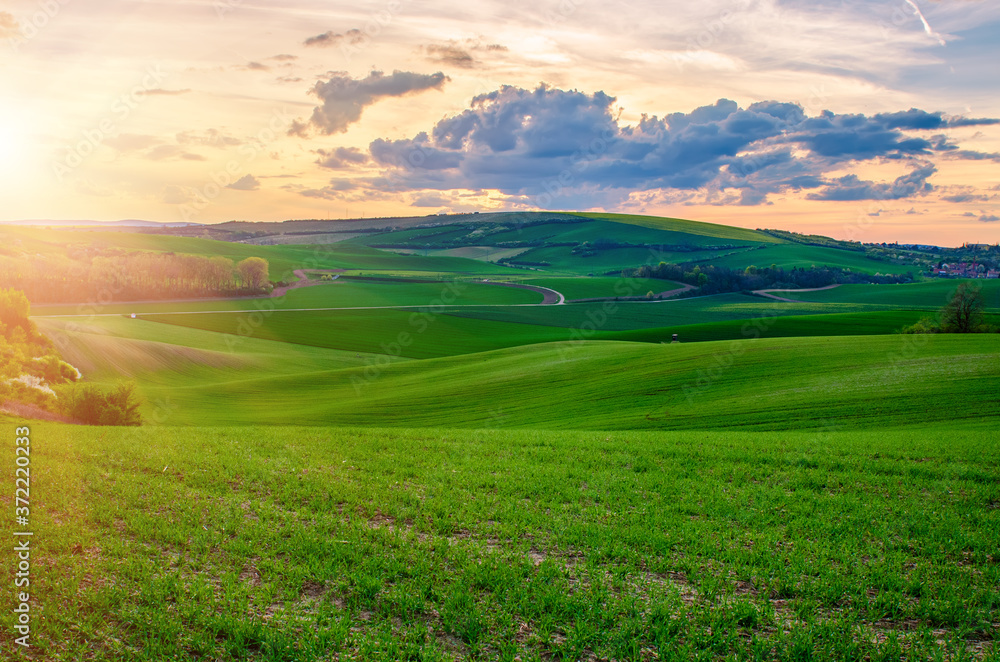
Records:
x=768, y=383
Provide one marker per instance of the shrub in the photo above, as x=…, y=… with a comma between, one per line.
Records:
x=92, y=406
x=925, y=325
x=55, y=371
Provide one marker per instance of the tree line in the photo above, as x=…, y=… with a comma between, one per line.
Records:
x=54, y=278
x=710, y=279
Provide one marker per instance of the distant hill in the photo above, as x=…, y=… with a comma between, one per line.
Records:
x=130, y=223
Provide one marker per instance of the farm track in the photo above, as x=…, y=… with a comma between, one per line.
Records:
x=767, y=293
x=656, y=297
x=551, y=297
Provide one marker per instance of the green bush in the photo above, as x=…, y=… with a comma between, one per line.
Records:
x=925, y=325
x=55, y=371
x=90, y=405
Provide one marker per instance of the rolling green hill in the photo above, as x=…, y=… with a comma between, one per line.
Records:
x=599, y=243
x=932, y=294
x=765, y=383
x=481, y=477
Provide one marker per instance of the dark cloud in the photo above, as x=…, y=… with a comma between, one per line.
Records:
x=563, y=148
x=449, y=54
x=330, y=38
x=245, y=183
x=964, y=197
x=850, y=187
x=989, y=218
x=342, y=157
x=461, y=53
x=972, y=155
x=344, y=98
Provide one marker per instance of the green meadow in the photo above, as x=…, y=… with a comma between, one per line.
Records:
x=308, y=543
x=412, y=463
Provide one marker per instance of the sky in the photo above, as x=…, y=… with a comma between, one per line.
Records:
x=866, y=120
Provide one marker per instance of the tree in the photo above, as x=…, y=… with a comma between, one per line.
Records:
x=14, y=310
x=964, y=313
x=91, y=406
x=253, y=272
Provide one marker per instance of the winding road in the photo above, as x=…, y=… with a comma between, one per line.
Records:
x=550, y=296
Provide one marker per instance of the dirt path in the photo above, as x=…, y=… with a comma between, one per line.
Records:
x=552, y=298
x=767, y=293
x=23, y=410
x=656, y=297
x=303, y=281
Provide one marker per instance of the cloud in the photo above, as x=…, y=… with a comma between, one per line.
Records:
x=344, y=98
x=565, y=148
x=209, y=138
x=450, y=54
x=989, y=218
x=460, y=53
x=166, y=151
x=245, y=183
x=9, y=29
x=252, y=66
x=283, y=57
x=329, y=38
x=964, y=197
x=850, y=187
x=342, y=157
x=430, y=200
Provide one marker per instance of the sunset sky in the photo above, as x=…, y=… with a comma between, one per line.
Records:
x=859, y=119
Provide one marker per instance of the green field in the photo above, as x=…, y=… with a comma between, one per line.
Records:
x=282, y=259
x=594, y=288
x=409, y=463
x=932, y=294
x=315, y=544
x=687, y=227
x=572, y=382
x=789, y=256
x=552, y=245
x=345, y=292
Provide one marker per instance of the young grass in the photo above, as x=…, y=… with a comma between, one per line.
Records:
x=317, y=543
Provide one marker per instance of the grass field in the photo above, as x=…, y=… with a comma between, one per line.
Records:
x=687, y=227
x=790, y=255
x=316, y=544
x=571, y=382
x=593, y=288
x=932, y=294
x=455, y=473
x=427, y=333
x=629, y=315
x=346, y=291
x=282, y=259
